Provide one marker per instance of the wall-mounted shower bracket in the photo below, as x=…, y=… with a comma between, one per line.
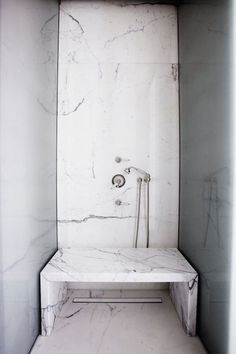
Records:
x=146, y=178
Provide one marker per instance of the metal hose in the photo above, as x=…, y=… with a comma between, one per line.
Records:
x=139, y=180
x=147, y=222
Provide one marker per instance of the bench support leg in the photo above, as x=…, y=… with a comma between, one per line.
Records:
x=53, y=296
x=184, y=298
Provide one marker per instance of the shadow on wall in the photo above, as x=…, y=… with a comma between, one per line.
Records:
x=206, y=181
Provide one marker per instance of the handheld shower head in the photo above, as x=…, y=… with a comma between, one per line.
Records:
x=146, y=178
x=146, y=175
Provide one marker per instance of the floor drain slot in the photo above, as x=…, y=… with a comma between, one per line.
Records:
x=156, y=300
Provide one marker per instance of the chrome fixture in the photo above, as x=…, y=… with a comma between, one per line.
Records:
x=118, y=159
x=118, y=202
x=147, y=211
x=139, y=181
x=157, y=300
x=147, y=179
x=118, y=181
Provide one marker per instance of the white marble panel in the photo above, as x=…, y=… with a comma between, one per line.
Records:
x=126, y=108
x=53, y=297
x=118, y=288
x=119, y=265
x=28, y=96
x=127, y=265
x=211, y=22
x=184, y=298
x=117, y=329
x=102, y=31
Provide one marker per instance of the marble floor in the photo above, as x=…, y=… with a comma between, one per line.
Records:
x=118, y=329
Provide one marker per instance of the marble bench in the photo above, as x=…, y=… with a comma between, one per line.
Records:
x=108, y=265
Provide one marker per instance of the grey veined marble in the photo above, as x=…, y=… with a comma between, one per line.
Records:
x=119, y=265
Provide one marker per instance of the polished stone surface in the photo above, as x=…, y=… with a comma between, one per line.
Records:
x=119, y=265
x=118, y=329
x=118, y=96
x=128, y=265
x=206, y=186
x=28, y=119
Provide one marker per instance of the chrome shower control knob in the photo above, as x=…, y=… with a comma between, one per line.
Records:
x=118, y=159
x=118, y=202
x=118, y=181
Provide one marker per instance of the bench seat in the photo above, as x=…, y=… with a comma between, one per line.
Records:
x=109, y=265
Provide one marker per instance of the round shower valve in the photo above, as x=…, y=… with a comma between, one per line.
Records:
x=118, y=181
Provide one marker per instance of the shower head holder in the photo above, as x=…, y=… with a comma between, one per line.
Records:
x=146, y=175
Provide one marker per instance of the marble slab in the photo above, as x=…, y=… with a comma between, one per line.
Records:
x=119, y=265
x=102, y=329
x=28, y=163
x=104, y=31
x=117, y=97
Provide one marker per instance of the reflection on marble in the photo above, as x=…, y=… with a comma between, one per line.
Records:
x=118, y=96
x=206, y=166
x=211, y=21
x=117, y=329
x=118, y=266
x=184, y=297
x=28, y=91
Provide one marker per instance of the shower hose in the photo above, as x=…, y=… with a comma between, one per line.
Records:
x=139, y=181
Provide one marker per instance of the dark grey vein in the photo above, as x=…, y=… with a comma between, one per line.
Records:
x=100, y=217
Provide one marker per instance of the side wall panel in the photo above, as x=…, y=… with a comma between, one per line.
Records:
x=205, y=179
x=28, y=91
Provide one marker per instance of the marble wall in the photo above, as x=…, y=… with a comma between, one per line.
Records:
x=206, y=160
x=28, y=91
x=118, y=96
